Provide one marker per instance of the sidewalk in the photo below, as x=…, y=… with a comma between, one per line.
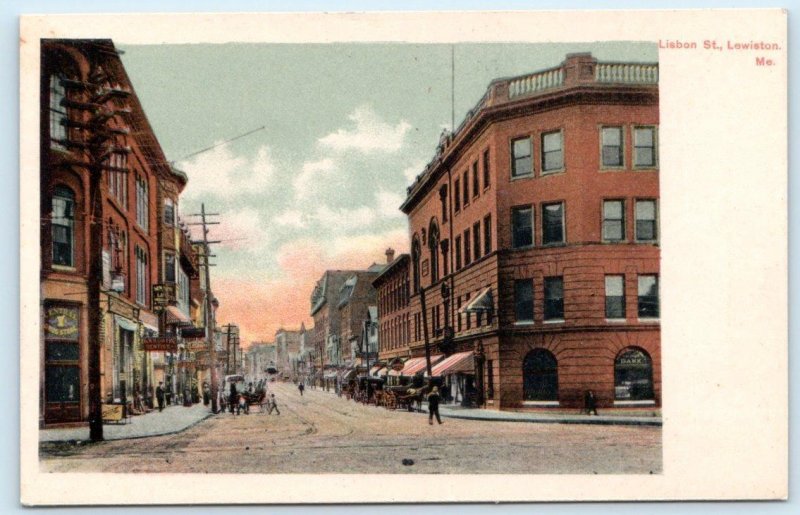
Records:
x=172, y=420
x=609, y=418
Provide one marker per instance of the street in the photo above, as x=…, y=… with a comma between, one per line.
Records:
x=322, y=433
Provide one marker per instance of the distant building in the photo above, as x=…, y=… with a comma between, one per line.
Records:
x=287, y=344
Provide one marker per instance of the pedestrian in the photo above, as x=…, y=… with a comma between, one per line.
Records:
x=589, y=402
x=273, y=405
x=233, y=398
x=433, y=405
x=206, y=394
x=242, y=406
x=301, y=387
x=160, y=395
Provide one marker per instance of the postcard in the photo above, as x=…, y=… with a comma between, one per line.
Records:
x=452, y=256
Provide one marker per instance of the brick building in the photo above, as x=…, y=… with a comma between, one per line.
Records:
x=356, y=297
x=534, y=233
x=393, y=290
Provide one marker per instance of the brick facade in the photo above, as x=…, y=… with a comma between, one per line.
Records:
x=463, y=236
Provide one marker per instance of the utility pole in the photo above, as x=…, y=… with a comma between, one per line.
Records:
x=209, y=318
x=425, y=331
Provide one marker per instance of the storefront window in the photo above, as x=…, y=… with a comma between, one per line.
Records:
x=633, y=376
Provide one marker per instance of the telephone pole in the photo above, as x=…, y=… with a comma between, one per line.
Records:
x=209, y=313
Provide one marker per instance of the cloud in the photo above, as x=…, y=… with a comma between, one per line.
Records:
x=291, y=218
x=412, y=171
x=370, y=134
x=389, y=204
x=241, y=230
x=345, y=219
x=219, y=172
x=311, y=173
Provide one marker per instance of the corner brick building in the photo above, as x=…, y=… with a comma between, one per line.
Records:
x=534, y=234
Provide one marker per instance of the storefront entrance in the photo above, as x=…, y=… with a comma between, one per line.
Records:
x=62, y=371
x=540, y=376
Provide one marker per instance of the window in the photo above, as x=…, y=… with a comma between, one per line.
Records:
x=142, y=282
x=554, y=298
x=415, y=256
x=169, y=267
x=476, y=240
x=443, y=200
x=552, y=151
x=433, y=246
x=58, y=113
x=523, y=300
x=615, y=297
x=490, y=379
x=487, y=179
x=467, y=250
x=465, y=189
x=521, y=226
x=521, y=161
x=644, y=147
x=646, y=220
x=458, y=313
x=183, y=291
x=468, y=315
x=458, y=252
x=613, y=220
x=476, y=185
x=553, y=220
x=487, y=234
x=456, y=196
x=633, y=375
x=648, y=296
x=612, y=146
x=63, y=226
x=169, y=212
x=118, y=178
x=142, y=203
x=540, y=376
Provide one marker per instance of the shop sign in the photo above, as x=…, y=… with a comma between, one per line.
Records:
x=112, y=412
x=193, y=333
x=196, y=345
x=160, y=344
x=62, y=322
x=122, y=308
x=633, y=358
x=164, y=295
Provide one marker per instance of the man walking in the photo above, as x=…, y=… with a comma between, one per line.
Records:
x=589, y=402
x=433, y=406
x=273, y=405
x=160, y=396
x=301, y=387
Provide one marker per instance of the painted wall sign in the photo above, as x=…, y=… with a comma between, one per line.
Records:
x=160, y=344
x=120, y=307
x=61, y=322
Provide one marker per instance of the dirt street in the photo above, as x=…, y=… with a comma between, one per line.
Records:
x=322, y=433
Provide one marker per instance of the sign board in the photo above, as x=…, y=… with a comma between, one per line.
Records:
x=112, y=412
x=164, y=295
x=120, y=307
x=61, y=322
x=160, y=344
x=193, y=333
x=196, y=345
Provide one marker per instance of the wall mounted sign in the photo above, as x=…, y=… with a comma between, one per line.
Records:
x=61, y=322
x=160, y=344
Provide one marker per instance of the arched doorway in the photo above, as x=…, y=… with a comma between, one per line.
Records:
x=540, y=376
x=633, y=375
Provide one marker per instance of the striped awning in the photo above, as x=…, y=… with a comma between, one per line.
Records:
x=482, y=303
x=414, y=365
x=177, y=317
x=460, y=362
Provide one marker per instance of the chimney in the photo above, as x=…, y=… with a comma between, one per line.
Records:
x=389, y=255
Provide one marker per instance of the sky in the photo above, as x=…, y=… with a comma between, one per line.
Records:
x=347, y=127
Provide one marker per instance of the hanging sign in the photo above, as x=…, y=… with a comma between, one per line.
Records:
x=163, y=295
x=193, y=333
x=160, y=344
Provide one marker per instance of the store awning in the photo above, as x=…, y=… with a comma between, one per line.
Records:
x=461, y=362
x=407, y=363
x=378, y=371
x=349, y=374
x=331, y=374
x=177, y=317
x=125, y=323
x=418, y=365
x=482, y=303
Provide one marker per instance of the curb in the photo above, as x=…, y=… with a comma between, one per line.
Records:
x=618, y=421
x=136, y=437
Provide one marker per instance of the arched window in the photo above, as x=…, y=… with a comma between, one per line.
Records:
x=540, y=376
x=633, y=375
x=63, y=226
x=433, y=246
x=415, y=255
